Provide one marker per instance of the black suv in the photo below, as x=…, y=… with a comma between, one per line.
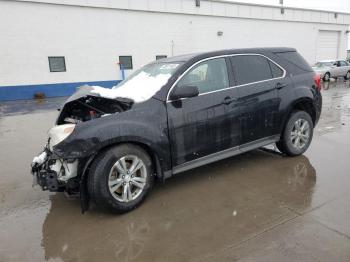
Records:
x=175, y=114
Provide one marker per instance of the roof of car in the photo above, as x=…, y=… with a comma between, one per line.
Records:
x=187, y=57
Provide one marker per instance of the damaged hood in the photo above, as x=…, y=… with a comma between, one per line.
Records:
x=86, y=105
x=81, y=92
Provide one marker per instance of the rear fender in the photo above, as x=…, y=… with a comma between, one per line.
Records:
x=302, y=94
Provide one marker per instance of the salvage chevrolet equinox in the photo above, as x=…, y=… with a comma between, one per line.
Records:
x=175, y=114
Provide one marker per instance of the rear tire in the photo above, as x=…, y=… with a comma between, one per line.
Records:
x=327, y=77
x=297, y=134
x=120, y=178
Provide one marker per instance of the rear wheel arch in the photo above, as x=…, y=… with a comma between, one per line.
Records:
x=302, y=104
x=297, y=134
x=305, y=104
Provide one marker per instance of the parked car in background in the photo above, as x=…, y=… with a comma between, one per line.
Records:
x=332, y=69
x=176, y=114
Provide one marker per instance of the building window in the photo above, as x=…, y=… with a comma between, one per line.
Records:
x=161, y=57
x=126, y=61
x=57, y=64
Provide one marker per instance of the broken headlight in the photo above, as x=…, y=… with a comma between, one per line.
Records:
x=59, y=133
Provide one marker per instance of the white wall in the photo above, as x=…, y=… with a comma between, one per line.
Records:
x=91, y=39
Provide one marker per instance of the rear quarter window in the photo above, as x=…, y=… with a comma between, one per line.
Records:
x=275, y=70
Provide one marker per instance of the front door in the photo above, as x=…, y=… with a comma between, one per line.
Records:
x=206, y=124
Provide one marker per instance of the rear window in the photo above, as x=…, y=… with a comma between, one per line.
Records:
x=296, y=59
x=250, y=69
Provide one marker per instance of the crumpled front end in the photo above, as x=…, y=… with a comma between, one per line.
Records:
x=57, y=170
x=52, y=172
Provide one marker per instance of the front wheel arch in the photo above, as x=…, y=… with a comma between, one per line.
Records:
x=154, y=157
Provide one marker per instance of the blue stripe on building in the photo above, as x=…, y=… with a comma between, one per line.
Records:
x=8, y=93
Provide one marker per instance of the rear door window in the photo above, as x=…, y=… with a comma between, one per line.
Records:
x=251, y=68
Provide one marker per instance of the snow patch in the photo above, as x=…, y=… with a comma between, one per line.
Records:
x=139, y=88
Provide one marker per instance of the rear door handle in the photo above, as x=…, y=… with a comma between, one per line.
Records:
x=228, y=100
x=280, y=85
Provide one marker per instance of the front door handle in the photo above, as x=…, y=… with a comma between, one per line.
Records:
x=280, y=85
x=228, y=100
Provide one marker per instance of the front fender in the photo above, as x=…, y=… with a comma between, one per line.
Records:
x=90, y=137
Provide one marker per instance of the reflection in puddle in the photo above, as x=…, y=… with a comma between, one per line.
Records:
x=189, y=215
x=300, y=176
x=336, y=106
x=333, y=84
x=129, y=248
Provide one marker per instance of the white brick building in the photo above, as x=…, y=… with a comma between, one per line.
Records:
x=91, y=35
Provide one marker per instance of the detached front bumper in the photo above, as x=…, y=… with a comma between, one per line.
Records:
x=43, y=175
x=54, y=174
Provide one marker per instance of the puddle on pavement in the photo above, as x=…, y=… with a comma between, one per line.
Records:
x=259, y=188
x=187, y=217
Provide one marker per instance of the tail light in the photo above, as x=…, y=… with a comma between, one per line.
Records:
x=317, y=80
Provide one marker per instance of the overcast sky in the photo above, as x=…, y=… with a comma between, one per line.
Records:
x=332, y=5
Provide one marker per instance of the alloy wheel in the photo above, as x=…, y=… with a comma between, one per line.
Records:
x=300, y=134
x=127, y=178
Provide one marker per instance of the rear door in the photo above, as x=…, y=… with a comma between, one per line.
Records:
x=206, y=124
x=258, y=80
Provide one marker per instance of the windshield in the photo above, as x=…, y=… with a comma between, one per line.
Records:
x=143, y=83
x=323, y=64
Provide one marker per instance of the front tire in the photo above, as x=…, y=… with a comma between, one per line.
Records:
x=297, y=134
x=120, y=178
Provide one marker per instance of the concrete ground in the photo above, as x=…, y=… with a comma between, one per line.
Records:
x=259, y=206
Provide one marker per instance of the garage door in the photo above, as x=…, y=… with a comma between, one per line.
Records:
x=327, y=45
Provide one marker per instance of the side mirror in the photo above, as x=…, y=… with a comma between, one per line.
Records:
x=184, y=92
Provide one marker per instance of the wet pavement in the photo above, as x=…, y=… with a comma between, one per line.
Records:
x=259, y=206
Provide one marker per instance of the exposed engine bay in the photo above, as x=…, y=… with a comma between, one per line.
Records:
x=90, y=107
